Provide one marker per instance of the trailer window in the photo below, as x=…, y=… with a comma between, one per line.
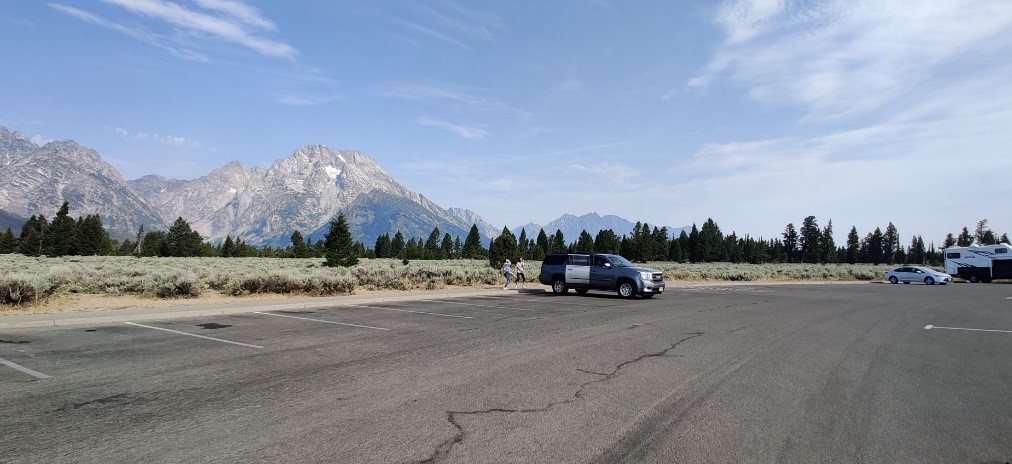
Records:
x=952, y=255
x=1001, y=250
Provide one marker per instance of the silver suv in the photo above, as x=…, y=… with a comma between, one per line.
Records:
x=592, y=271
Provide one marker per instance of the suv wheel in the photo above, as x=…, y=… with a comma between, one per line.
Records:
x=559, y=286
x=626, y=289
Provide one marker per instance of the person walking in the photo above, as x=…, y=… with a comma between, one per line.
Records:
x=521, y=279
x=507, y=268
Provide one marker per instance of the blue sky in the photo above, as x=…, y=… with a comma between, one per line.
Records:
x=755, y=113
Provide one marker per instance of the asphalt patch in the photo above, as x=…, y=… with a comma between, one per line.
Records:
x=213, y=325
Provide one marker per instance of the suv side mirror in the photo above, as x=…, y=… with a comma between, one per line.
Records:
x=607, y=265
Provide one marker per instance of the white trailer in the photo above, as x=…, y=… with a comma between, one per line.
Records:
x=979, y=263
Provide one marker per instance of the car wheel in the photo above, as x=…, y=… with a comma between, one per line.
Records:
x=929, y=281
x=626, y=289
x=894, y=280
x=581, y=291
x=559, y=286
x=974, y=278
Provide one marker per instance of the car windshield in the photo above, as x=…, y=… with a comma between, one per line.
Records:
x=619, y=261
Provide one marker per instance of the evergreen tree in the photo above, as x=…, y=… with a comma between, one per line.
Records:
x=181, y=240
x=810, y=241
x=446, y=248
x=790, y=243
x=607, y=241
x=458, y=247
x=397, y=245
x=875, y=246
x=918, y=254
x=695, y=252
x=8, y=242
x=299, y=247
x=472, y=244
x=62, y=237
x=710, y=242
x=949, y=242
x=557, y=244
x=965, y=239
x=382, y=248
x=341, y=250
x=502, y=248
x=523, y=244
x=92, y=239
x=891, y=244
x=228, y=247
x=33, y=236
x=585, y=242
x=542, y=245
x=984, y=235
x=1004, y=239
x=432, y=245
x=828, y=244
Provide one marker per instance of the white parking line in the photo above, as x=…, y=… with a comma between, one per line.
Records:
x=319, y=320
x=929, y=327
x=23, y=369
x=480, y=305
x=407, y=311
x=193, y=335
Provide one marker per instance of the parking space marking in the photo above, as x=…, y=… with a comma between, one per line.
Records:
x=481, y=305
x=319, y=320
x=193, y=335
x=408, y=311
x=929, y=327
x=23, y=369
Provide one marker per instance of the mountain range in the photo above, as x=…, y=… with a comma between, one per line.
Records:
x=261, y=206
x=571, y=226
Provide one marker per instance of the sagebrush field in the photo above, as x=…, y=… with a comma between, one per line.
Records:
x=29, y=280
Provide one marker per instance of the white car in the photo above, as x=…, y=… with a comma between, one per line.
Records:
x=907, y=274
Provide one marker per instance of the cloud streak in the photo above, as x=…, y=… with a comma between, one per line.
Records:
x=173, y=140
x=228, y=20
x=467, y=132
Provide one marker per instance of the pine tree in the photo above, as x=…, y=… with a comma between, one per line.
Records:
x=432, y=245
x=607, y=241
x=382, y=248
x=33, y=236
x=92, y=239
x=810, y=241
x=472, y=244
x=8, y=242
x=710, y=242
x=828, y=244
x=965, y=239
x=585, y=243
x=890, y=244
x=339, y=244
x=181, y=240
x=542, y=245
x=557, y=244
x=446, y=247
x=397, y=245
x=299, y=247
x=502, y=248
x=228, y=247
x=790, y=243
x=62, y=237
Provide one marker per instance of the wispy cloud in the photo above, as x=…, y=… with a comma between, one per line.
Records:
x=156, y=40
x=229, y=20
x=465, y=99
x=451, y=22
x=842, y=58
x=292, y=100
x=173, y=140
x=467, y=132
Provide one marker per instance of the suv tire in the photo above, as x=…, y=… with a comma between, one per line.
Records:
x=626, y=289
x=559, y=286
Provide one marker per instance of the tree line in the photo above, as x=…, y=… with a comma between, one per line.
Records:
x=808, y=243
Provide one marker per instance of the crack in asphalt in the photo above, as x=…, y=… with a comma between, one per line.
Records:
x=444, y=448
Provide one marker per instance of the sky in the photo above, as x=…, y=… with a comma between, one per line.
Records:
x=755, y=113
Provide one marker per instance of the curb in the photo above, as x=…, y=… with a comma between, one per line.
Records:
x=23, y=321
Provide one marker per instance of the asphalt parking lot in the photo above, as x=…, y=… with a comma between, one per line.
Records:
x=759, y=373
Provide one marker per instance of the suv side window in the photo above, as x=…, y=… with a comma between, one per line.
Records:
x=554, y=260
x=599, y=261
x=579, y=260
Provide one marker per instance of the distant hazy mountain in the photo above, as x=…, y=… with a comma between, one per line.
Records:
x=571, y=226
x=37, y=180
x=11, y=220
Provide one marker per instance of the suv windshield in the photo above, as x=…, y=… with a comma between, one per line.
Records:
x=619, y=261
